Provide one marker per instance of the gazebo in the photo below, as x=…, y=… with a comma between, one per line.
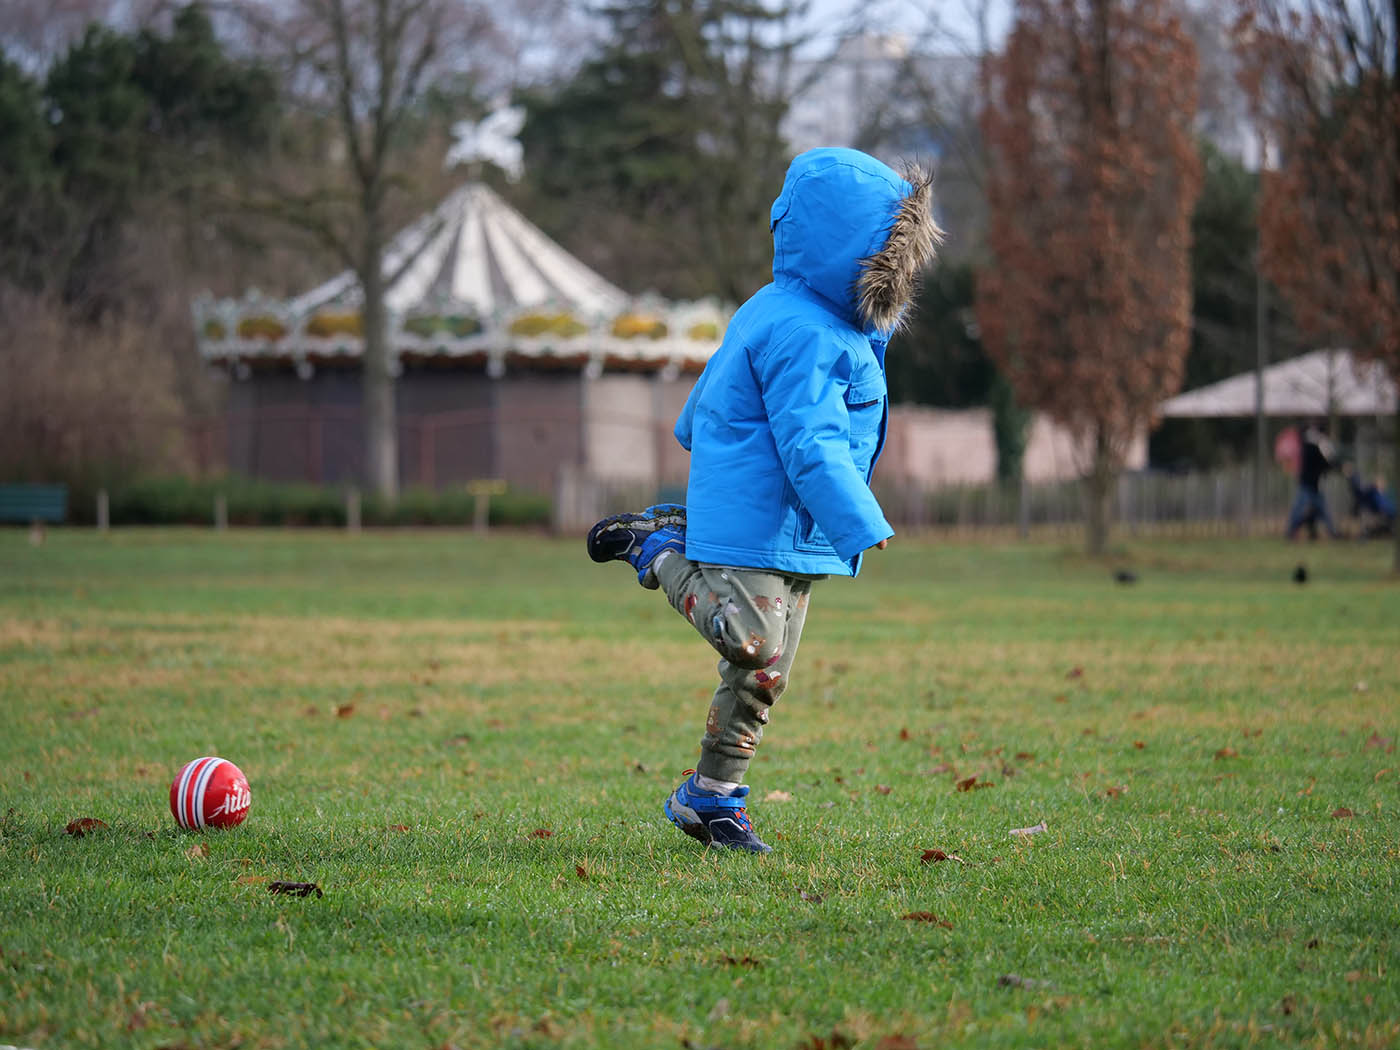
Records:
x=513, y=359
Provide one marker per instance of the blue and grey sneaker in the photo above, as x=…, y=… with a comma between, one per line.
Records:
x=719, y=821
x=638, y=538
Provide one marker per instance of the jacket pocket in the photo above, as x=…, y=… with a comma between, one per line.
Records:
x=865, y=401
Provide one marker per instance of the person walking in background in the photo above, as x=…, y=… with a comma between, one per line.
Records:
x=783, y=426
x=1316, y=456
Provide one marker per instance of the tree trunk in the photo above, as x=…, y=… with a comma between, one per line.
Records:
x=1098, y=491
x=381, y=422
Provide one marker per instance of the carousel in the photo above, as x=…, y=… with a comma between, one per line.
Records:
x=513, y=361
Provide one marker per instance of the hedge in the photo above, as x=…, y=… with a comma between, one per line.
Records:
x=183, y=501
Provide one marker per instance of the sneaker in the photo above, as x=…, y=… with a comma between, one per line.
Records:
x=639, y=538
x=719, y=821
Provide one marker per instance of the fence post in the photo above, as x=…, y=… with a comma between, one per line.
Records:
x=220, y=512
x=1023, y=509
x=352, y=509
x=104, y=520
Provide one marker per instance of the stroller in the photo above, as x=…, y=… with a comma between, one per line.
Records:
x=1371, y=506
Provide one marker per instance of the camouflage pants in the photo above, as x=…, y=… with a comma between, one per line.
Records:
x=753, y=619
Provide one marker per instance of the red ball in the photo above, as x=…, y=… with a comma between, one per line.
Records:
x=209, y=793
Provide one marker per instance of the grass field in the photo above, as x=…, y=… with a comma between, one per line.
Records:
x=465, y=742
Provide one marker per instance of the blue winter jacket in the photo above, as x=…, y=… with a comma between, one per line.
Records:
x=788, y=418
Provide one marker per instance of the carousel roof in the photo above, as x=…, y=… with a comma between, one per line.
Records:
x=473, y=280
x=1320, y=383
x=476, y=252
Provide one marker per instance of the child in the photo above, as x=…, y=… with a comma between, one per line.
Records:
x=783, y=427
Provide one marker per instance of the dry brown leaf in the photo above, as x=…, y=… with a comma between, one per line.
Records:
x=1075, y=672
x=344, y=710
x=810, y=898
x=80, y=827
x=1226, y=752
x=883, y=789
x=251, y=880
x=904, y=734
x=933, y=856
x=198, y=851
x=1114, y=790
x=927, y=916
x=778, y=796
x=541, y=833
x=581, y=872
x=1341, y=813
x=898, y=1041
x=1139, y=744
x=1385, y=743
x=973, y=784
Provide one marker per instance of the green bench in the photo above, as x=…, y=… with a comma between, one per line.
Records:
x=26, y=504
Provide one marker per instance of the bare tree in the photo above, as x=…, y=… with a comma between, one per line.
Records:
x=1326, y=77
x=362, y=66
x=1091, y=180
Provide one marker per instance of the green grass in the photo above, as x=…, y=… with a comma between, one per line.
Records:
x=1187, y=740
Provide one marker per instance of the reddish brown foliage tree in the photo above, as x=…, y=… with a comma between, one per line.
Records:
x=1326, y=77
x=1091, y=180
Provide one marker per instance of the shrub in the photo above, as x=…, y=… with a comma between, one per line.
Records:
x=186, y=501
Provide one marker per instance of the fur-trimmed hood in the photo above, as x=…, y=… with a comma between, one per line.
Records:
x=850, y=229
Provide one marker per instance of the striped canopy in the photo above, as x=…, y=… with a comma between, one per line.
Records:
x=477, y=254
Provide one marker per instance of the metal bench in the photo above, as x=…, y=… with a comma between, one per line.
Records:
x=28, y=504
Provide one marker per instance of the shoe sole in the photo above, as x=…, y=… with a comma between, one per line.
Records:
x=663, y=515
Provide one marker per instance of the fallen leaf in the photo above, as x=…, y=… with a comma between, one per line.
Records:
x=1060, y=698
x=198, y=851
x=1139, y=744
x=1035, y=829
x=933, y=856
x=1376, y=740
x=581, y=872
x=1075, y=672
x=942, y=767
x=398, y=827
x=745, y=960
x=1341, y=813
x=778, y=796
x=1024, y=756
x=973, y=784
x=295, y=889
x=927, y=916
x=810, y=898
x=898, y=1041
x=836, y=1041
x=904, y=734
x=1314, y=943
x=1115, y=790
x=1226, y=752
x=344, y=710
x=80, y=827
x=251, y=880
x=1380, y=774
x=883, y=789
x=1358, y=975
x=541, y=833
x=1287, y=1004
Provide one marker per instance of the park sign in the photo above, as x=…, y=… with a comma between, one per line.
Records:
x=472, y=284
